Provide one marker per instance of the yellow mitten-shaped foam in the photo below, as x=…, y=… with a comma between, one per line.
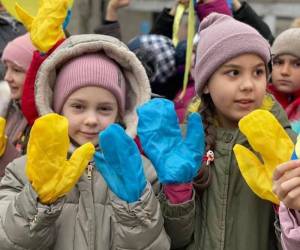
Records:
x=268, y=138
x=46, y=27
x=50, y=173
x=3, y=138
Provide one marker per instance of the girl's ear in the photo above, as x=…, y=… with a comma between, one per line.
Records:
x=206, y=90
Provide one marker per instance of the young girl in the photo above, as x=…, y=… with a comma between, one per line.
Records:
x=285, y=84
x=231, y=74
x=92, y=81
x=16, y=57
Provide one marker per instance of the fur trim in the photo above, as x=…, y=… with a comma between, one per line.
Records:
x=138, y=89
x=4, y=98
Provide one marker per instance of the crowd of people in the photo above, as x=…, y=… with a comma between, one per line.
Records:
x=103, y=147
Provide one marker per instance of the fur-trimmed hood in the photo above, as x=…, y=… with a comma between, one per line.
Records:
x=138, y=88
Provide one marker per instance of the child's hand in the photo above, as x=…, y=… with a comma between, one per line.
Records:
x=120, y=164
x=50, y=173
x=267, y=137
x=118, y=4
x=176, y=159
x=286, y=184
x=3, y=138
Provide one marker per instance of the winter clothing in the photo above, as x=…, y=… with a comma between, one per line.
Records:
x=111, y=28
x=247, y=15
x=19, y=51
x=9, y=29
x=203, y=10
x=217, y=35
x=90, y=216
x=17, y=131
x=161, y=50
x=89, y=70
x=290, y=228
x=163, y=24
x=290, y=102
x=287, y=43
x=229, y=216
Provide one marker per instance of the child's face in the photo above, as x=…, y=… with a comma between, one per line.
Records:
x=15, y=77
x=237, y=88
x=286, y=73
x=89, y=111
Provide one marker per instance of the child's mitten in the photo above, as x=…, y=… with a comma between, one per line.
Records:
x=3, y=138
x=268, y=138
x=51, y=174
x=120, y=164
x=176, y=159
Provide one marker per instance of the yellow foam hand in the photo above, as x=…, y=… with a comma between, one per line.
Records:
x=46, y=27
x=3, y=138
x=297, y=147
x=268, y=138
x=51, y=174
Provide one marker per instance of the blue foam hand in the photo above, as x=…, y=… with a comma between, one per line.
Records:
x=120, y=164
x=176, y=159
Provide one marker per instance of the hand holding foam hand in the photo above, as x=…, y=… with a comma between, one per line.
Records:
x=268, y=138
x=46, y=28
x=3, y=138
x=51, y=174
x=176, y=159
x=120, y=164
x=286, y=180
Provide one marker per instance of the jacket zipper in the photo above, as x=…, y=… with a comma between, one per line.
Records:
x=90, y=168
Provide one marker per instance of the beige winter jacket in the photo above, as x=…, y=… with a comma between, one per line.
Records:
x=90, y=217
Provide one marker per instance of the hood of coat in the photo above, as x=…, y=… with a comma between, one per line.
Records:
x=138, y=89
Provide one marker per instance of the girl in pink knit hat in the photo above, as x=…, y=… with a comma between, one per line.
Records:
x=16, y=57
x=217, y=209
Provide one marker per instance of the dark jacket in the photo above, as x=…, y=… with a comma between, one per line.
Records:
x=228, y=216
x=9, y=29
x=247, y=15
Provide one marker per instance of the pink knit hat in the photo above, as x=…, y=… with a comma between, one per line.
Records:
x=222, y=38
x=19, y=51
x=89, y=70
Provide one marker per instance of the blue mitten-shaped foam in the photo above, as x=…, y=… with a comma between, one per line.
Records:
x=120, y=164
x=176, y=159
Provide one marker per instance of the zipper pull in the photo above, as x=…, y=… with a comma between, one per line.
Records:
x=90, y=170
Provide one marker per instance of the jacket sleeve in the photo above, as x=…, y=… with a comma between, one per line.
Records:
x=163, y=24
x=110, y=28
x=179, y=221
x=290, y=228
x=247, y=15
x=139, y=225
x=24, y=222
x=9, y=155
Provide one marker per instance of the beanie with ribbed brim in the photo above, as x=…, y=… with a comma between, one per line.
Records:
x=89, y=70
x=223, y=38
x=19, y=51
x=287, y=43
